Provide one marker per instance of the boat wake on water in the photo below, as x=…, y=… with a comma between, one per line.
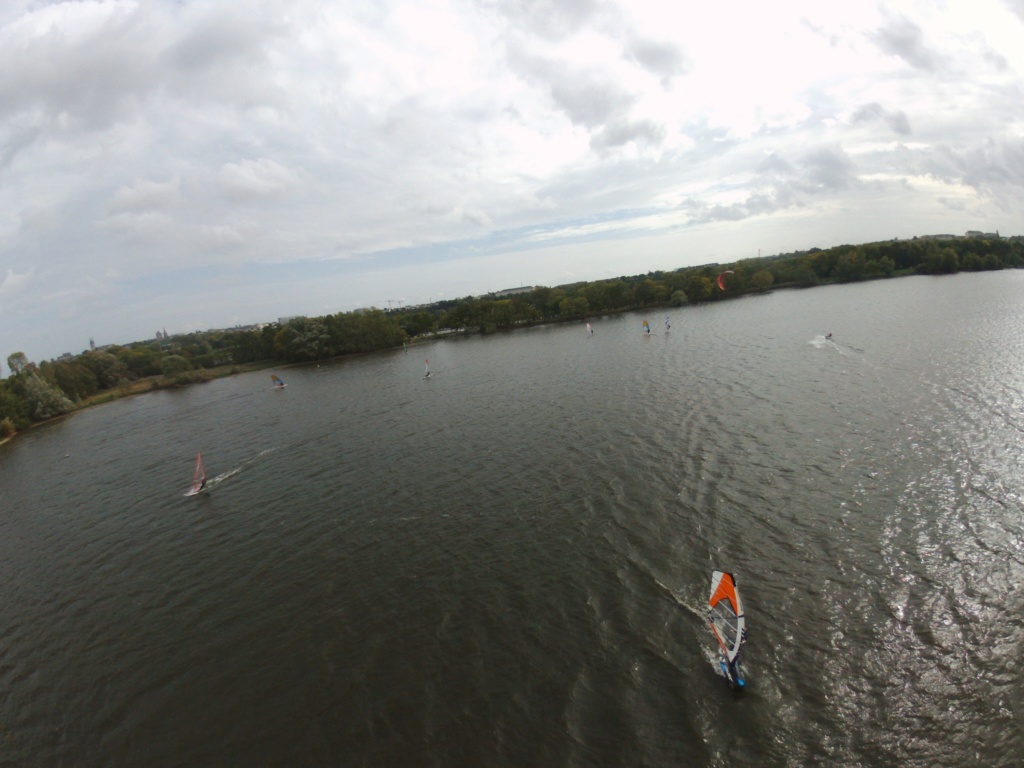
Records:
x=826, y=341
x=695, y=608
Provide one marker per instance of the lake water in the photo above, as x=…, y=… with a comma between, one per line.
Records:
x=507, y=564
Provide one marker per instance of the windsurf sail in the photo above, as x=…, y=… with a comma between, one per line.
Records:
x=667, y=323
x=647, y=328
x=278, y=384
x=728, y=624
x=721, y=278
x=426, y=368
x=198, y=477
x=589, y=328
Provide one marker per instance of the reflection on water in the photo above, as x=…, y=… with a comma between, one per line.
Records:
x=506, y=563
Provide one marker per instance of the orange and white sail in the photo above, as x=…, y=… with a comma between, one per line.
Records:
x=725, y=612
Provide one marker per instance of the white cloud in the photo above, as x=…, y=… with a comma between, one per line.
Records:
x=146, y=196
x=13, y=284
x=255, y=178
x=219, y=236
x=140, y=226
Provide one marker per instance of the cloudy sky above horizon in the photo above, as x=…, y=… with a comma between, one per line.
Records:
x=193, y=164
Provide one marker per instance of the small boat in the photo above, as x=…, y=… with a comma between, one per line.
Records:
x=276, y=381
x=198, y=478
x=728, y=625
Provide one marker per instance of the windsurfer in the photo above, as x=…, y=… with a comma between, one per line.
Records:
x=828, y=336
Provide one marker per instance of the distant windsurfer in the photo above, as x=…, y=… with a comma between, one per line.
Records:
x=828, y=336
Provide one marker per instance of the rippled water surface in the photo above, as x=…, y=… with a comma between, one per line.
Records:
x=506, y=564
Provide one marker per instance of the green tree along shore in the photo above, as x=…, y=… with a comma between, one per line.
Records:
x=35, y=393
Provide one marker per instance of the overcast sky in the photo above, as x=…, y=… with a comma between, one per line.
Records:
x=195, y=164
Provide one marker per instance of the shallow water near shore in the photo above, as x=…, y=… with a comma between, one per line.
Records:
x=507, y=563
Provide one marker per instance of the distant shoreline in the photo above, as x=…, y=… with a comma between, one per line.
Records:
x=144, y=387
x=150, y=384
x=203, y=375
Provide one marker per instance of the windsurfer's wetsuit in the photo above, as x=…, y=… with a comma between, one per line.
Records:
x=734, y=673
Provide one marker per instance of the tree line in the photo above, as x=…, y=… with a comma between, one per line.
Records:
x=37, y=392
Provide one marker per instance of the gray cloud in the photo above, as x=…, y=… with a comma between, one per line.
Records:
x=549, y=19
x=905, y=39
x=1017, y=7
x=588, y=97
x=897, y=121
x=779, y=184
x=664, y=59
x=758, y=203
x=827, y=168
x=992, y=164
x=619, y=132
x=90, y=78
